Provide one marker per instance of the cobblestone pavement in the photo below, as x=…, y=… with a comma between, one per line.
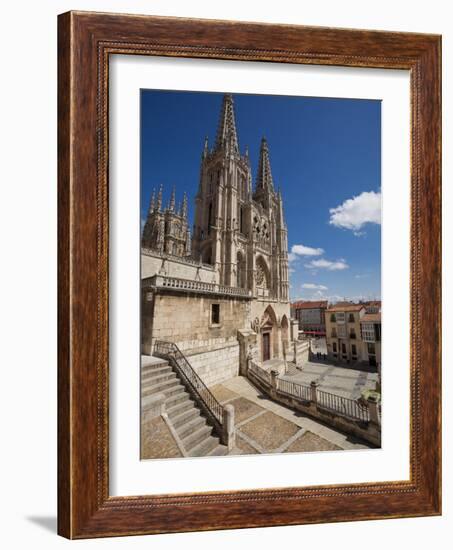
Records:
x=263, y=426
x=345, y=381
x=157, y=441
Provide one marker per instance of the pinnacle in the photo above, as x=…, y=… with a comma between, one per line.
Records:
x=264, y=176
x=172, y=203
x=226, y=132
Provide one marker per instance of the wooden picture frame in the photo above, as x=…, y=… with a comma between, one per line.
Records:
x=85, y=42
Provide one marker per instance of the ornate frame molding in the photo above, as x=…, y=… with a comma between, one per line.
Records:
x=86, y=40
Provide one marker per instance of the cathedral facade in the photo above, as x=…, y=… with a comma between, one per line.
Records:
x=222, y=294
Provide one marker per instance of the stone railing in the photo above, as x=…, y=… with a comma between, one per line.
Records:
x=256, y=371
x=348, y=415
x=199, y=287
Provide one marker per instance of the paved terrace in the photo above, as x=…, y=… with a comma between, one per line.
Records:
x=262, y=427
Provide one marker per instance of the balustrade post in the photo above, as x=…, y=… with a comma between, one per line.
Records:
x=229, y=432
x=372, y=401
x=274, y=376
x=314, y=394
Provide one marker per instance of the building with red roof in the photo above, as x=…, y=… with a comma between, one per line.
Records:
x=311, y=316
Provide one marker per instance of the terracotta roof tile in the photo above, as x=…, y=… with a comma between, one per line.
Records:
x=348, y=307
x=371, y=317
x=309, y=305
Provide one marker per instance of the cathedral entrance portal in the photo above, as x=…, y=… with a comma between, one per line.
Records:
x=266, y=343
x=268, y=332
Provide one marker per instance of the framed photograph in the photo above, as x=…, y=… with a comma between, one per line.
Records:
x=249, y=275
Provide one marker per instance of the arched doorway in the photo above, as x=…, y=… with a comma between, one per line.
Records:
x=268, y=335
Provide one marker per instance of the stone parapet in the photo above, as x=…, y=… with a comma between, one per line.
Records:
x=161, y=282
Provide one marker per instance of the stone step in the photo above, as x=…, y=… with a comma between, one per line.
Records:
x=185, y=416
x=158, y=376
x=181, y=408
x=162, y=385
x=168, y=391
x=220, y=450
x=204, y=447
x=196, y=437
x=191, y=426
x=178, y=400
x=161, y=367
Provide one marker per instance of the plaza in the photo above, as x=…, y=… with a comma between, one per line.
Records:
x=262, y=427
x=346, y=381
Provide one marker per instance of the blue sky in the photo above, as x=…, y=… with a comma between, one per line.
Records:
x=325, y=155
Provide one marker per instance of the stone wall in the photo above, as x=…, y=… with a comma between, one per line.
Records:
x=186, y=320
x=218, y=365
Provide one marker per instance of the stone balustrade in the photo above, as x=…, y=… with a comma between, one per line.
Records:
x=181, y=259
x=200, y=287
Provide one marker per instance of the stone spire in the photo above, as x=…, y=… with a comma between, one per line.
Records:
x=171, y=204
x=206, y=147
x=152, y=202
x=159, y=199
x=226, y=132
x=264, y=176
x=183, y=211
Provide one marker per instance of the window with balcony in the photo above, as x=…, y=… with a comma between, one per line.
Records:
x=352, y=334
x=351, y=318
x=334, y=333
x=368, y=332
x=333, y=319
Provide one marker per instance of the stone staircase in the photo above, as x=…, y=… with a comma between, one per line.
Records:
x=195, y=437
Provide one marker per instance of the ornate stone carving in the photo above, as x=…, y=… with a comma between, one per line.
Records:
x=261, y=279
x=255, y=324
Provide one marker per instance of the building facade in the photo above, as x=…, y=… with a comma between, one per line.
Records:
x=221, y=295
x=353, y=334
x=311, y=316
x=343, y=332
x=370, y=325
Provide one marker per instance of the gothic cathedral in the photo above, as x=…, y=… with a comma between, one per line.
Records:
x=239, y=246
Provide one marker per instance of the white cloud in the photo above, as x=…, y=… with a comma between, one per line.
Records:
x=312, y=286
x=302, y=250
x=356, y=212
x=327, y=264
